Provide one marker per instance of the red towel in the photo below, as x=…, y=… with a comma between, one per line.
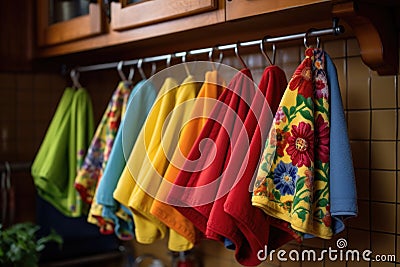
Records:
x=227, y=115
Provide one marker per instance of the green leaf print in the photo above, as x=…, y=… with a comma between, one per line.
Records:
x=285, y=110
x=309, y=103
x=277, y=195
x=307, y=199
x=302, y=214
x=322, y=202
x=320, y=102
x=296, y=200
x=318, y=193
x=292, y=110
x=306, y=114
x=319, y=177
x=300, y=183
x=319, y=214
x=299, y=100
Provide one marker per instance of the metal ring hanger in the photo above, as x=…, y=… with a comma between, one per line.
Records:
x=238, y=55
x=306, y=35
x=271, y=62
x=184, y=64
x=122, y=74
x=211, y=57
x=74, y=74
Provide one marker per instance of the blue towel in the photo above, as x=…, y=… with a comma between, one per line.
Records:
x=140, y=102
x=343, y=196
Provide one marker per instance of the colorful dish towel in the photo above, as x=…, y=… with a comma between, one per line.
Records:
x=293, y=178
x=101, y=145
x=61, y=153
x=119, y=220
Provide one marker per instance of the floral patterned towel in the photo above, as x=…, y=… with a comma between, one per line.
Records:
x=293, y=178
x=101, y=145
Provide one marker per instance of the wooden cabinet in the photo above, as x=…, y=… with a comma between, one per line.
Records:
x=236, y=9
x=125, y=15
x=52, y=29
x=181, y=25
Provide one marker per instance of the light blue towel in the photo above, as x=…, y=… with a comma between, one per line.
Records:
x=343, y=196
x=140, y=102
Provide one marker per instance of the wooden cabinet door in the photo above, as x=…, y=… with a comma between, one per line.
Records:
x=125, y=16
x=49, y=33
x=244, y=8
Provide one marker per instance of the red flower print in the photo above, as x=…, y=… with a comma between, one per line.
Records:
x=309, y=52
x=301, y=145
x=310, y=178
x=327, y=220
x=281, y=141
x=301, y=79
x=322, y=139
x=114, y=125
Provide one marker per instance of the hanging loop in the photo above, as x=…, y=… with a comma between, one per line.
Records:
x=238, y=55
x=271, y=62
x=75, y=78
x=139, y=65
x=306, y=35
x=211, y=57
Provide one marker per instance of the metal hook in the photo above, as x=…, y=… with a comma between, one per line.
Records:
x=139, y=65
x=169, y=60
x=306, y=36
x=211, y=57
x=75, y=78
x=153, y=68
x=120, y=71
x=271, y=62
x=185, y=65
x=131, y=73
x=238, y=56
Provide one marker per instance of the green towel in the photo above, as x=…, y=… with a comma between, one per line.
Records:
x=62, y=151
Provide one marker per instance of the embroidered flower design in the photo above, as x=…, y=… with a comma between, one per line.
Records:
x=280, y=116
x=322, y=139
x=301, y=145
x=285, y=176
x=301, y=79
x=281, y=141
x=321, y=88
x=260, y=190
